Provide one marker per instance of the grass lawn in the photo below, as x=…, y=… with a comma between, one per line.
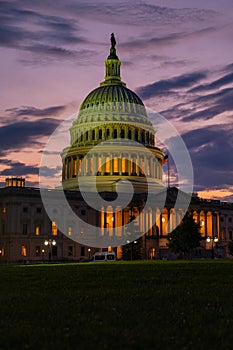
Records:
x=119, y=305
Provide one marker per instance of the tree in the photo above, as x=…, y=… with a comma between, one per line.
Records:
x=230, y=247
x=133, y=249
x=185, y=237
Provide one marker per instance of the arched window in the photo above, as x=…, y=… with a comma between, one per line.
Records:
x=129, y=135
x=136, y=135
x=100, y=134
x=107, y=133
x=93, y=134
x=122, y=133
x=86, y=135
x=115, y=134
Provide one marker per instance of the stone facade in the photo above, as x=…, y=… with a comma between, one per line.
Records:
x=25, y=226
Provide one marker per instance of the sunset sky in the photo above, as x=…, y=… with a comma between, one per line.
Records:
x=177, y=55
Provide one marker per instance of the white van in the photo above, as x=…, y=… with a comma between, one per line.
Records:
x=104, y=256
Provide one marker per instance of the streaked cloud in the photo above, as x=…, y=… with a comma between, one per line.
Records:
x=169, y=86
x=142, y=13
x=211, y=150
x=18, y=169
x=226, y=79
x=33, y=111
x=15, y=136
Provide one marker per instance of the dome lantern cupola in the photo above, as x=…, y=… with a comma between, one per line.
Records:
x=112, y=64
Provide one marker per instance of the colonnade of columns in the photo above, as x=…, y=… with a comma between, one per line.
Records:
x=126, y=164
x=156, y=222
x=153, y=222
x=112, y=131
x=209, y=223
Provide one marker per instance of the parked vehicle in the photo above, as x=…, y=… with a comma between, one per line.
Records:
x=104, y=256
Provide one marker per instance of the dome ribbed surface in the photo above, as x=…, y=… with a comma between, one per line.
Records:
x=110, y=93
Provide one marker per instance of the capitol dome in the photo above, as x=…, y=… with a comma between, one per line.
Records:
x=111, y=112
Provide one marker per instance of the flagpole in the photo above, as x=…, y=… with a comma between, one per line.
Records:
x=168, y=173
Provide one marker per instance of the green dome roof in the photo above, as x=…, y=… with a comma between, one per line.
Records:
x=110, y=93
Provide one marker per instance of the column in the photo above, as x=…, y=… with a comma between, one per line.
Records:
x=128, y=164
x=94, y=164
x=218, y=225
x=63, y=170
x=214, y=224
x=161, y=225
x=120, y=166
x=71, y=166
x=146, y=165
x=206, y=230
x=103, y=166
x=111, y=160
x=137, y=165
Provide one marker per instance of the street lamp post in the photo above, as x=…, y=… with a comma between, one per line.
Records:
x=89, y=253
x=214, y=240
x=50, y=242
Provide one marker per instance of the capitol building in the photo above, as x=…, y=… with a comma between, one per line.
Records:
x=112, y=154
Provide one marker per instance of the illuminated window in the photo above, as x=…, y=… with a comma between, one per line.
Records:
x=54, y=229
x=115, y=165
x=37, y=230
x=79, y=166
x=124, y=165
x=23, y=250
x=2, y=252
x=69, y=231
x=4, y=210
x=107, y=164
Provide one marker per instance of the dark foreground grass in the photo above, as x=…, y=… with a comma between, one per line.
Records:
x=143, y=305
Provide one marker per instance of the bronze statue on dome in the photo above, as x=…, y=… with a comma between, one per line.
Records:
x=113, y=41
